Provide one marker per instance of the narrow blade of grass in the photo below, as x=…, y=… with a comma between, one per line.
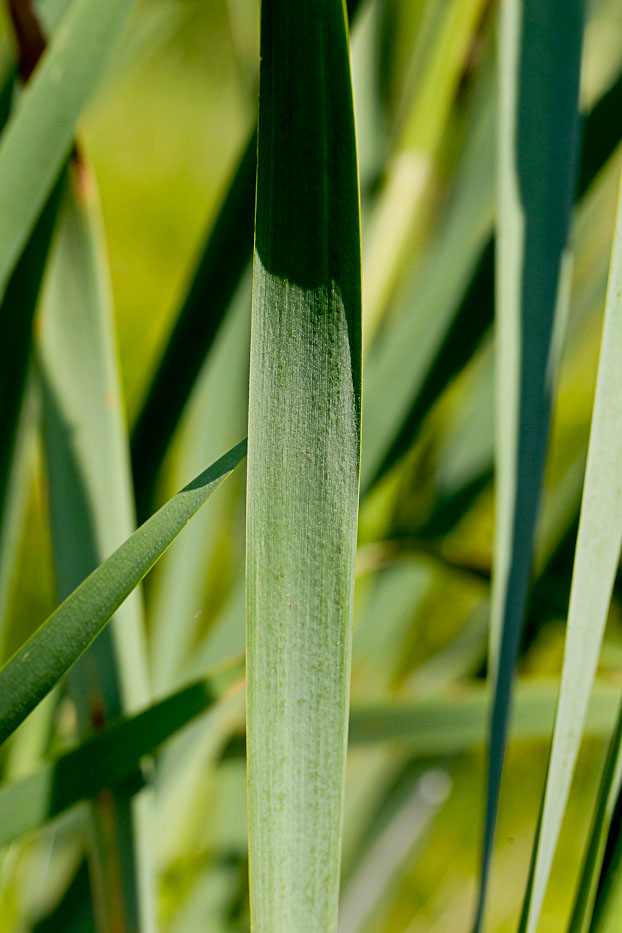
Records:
x=303, y=470
x=58, y=643
x=106, y=759
x=39, y=135
x=596, y=560
x=540, y=54
x=91, y=512
x=607, y=796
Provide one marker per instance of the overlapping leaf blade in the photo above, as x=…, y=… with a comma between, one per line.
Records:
x=227, y=252
x=107, y=759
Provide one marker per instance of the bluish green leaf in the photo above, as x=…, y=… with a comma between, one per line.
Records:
x=540, y=53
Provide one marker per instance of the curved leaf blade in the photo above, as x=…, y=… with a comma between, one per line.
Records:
x=227, y=252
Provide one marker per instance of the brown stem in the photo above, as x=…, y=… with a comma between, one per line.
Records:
x=29, y=34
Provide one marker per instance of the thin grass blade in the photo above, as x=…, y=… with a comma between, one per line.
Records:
x=39, y=135
x=303, y=470
x=58, y=643
x=540, y=53
x=596, y=561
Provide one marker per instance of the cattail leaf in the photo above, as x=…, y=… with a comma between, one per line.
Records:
x=596, y=561
x=58, y=643
x=540, y=53
x=303, y=469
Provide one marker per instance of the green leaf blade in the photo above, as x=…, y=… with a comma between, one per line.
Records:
x=540, y=54
x=57, y=644
x=596, y=560
x=303, y=472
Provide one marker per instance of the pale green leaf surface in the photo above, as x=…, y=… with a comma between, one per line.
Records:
x=303, y=467
x=39, y=135
x=57, y=644
x=596, y=560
